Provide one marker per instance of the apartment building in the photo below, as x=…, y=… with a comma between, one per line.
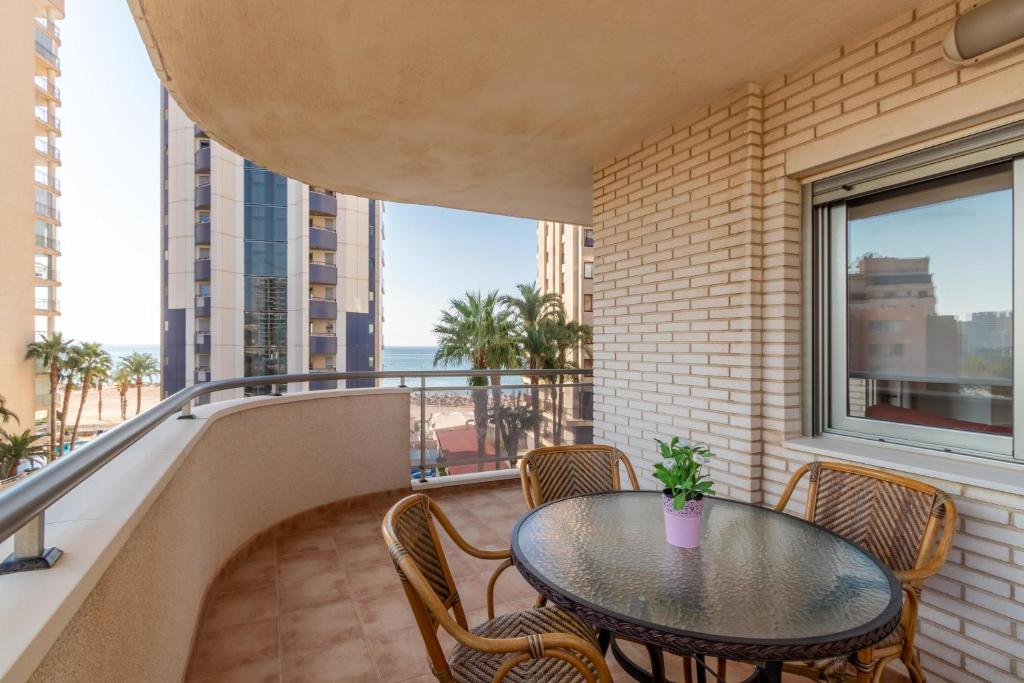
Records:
x=29, y=47
x=565, y=266
x=261, y=274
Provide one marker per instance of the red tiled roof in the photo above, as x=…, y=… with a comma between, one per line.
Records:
x=458, y=445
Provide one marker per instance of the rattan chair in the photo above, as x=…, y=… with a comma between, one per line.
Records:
x=907, y=524
x=562, y=471
x=541, y=644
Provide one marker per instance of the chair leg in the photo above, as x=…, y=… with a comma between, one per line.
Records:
x=880, y=667
x=864, y=665
x=913, y=664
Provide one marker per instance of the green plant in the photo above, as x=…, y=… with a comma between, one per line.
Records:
x=680, y=471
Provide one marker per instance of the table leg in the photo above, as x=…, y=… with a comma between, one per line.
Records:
x=657, y=672
x=702, y=676
x=765, y=672
x=604, y=638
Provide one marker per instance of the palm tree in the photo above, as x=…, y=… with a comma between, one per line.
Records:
x=91, y=357
x=532, y=311
x=16, y=447
x=142, y=366
x=475, y=330
x=6, y=414
x=565, y=335
x=103, y=373
x=70, y=366
x=122, y=378
x=50, y=352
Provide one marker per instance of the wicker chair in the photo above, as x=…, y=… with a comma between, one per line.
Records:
x=896, y=518
x=541, y=644
x=562, y=471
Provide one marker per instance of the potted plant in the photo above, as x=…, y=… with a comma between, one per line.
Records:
x=685, y=488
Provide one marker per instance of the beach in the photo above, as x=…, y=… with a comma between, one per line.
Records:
x=111, y=406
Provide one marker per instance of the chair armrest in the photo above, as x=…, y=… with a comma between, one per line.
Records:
x=463, y=544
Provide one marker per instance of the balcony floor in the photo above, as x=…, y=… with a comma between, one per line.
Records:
x=323, y=602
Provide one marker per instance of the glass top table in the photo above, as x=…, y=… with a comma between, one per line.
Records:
x=762, y=586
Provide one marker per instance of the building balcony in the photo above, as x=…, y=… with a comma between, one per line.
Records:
x=322, y=204
x=46, y=122
x=202, y=306
x=50, y=275
x=202, y=374
x=46, y=56
x=48, y=211
x=202, y=159
x=323, y=309
x=202, y=342
x=48, y=244
x=46, y=151
x=320, y=238
x=203, y=196
x=47, y=306
x=46, y=90
x=203, y=232
x=323, y=342
x=48, y=181
x=323, y=273
x=202, y=269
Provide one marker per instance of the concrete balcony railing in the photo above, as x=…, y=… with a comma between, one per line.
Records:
x=202, y=269
x=149, y=514
x=202, y=159
x=323, y=342
x=203, y=196
x=203, y=342
x=202, y=306
x=322, y=204
x=203, y=232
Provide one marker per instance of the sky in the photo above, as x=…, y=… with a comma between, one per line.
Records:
x=110, y=237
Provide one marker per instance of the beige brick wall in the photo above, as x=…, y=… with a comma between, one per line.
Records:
x=697, y=301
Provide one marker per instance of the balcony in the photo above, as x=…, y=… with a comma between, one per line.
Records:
x=49, y=122
x=322, y=204
x=48, y=211
x=202, y=342
x=47, y=180
x=202, y=160
x=45, y=306
x=203, y=196
x=46, y=90
x=323, y=342
x=320, y=238
x=202, y=269
x=322, y=273
x=47, y=55
x=323, y=309
x=202, y=306
x=202, y=374
x=203, y=232
x=47, y=151
x=48, y=274
x=48, y=243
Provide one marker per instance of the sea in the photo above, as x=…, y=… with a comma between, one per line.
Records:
x=417, y=358
x=421, y=358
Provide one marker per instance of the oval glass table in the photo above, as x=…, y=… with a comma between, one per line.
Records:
x=763, y=586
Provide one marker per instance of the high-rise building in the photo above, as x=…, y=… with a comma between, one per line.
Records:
x=565, y=266
x=261, y=274
x=29, y=67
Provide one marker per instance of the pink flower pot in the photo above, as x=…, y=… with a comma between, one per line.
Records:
x=682, y=527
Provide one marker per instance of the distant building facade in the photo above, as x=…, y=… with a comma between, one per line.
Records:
x=261, y=274
x=29, y=194
x=565, y=266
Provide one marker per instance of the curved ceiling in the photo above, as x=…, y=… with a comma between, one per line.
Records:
x=492, y=106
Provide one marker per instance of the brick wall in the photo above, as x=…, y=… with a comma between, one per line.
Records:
x=697, y=301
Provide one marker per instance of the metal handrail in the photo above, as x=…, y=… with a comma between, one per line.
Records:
x=28, y=500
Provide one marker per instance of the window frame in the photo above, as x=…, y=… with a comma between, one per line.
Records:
x=825, y=268
x=588, y=266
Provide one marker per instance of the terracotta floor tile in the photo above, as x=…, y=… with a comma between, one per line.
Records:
x=349, y=662
x=357, y=534
x=303, y=565
x=241, y=606
x=262, y=671
x=230, y=648
x=373, y=577
x=304, y=542
x=316, y=628
x=361, y=553
x=399, y=655
x=384, y=612
x=254, y=572
x=312, y=591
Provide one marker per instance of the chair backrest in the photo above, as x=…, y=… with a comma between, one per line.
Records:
x=561, y=471
x=410, y=532
x=896, y=518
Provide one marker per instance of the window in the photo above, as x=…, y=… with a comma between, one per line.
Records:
x=588, y=269
x=914, y=302
x=588, y=303
x=588, y=237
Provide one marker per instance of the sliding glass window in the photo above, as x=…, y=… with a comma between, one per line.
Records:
x=913, y=309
